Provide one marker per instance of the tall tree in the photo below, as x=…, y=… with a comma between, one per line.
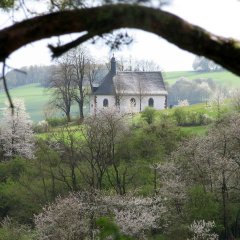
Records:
x=79, y=59
x=61, y=83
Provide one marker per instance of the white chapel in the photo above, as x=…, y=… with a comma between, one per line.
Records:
x=130, y=92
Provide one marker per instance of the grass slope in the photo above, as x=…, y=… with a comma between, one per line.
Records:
x=35, y=98
x=224, y=78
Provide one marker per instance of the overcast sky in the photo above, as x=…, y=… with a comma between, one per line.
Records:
x=221, y=17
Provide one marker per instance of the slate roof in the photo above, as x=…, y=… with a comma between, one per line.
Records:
x=106, y=87
x=132, y=83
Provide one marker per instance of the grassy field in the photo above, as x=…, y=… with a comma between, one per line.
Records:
x=224, y=78
x=35, y=98
x=196, y=130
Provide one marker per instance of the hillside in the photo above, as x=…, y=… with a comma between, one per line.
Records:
x=224, y=78
x=36, y=97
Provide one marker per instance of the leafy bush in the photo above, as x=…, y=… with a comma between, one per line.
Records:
x=187, y=118
x=41, y=127
x=10, y=230
x=54, y=122
x=108, y=229
x=149, y=114
x=201, y=205
x=180, y=116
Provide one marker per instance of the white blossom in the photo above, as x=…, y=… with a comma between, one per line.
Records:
x=183, y=103
x=16, y=135
x=76, y=215
x=202, y=230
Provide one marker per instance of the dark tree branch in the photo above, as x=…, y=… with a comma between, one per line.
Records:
x=59, y=50
x=6, y=87
x=104, y=19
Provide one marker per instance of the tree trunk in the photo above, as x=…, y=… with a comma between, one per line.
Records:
x=74, y=180
x=68, y=116
x=81, y=115
x=227, y=231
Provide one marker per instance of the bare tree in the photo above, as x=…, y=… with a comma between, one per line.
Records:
x=113, y=129
x=140, y=92
x=119, y=92
x=92, y=70
x=95, y=151
x=235, y=100
x=217, y=101
x=66, y=142
x=61, y=84
x=146, y=66
x=79, y=61
x=102, y=135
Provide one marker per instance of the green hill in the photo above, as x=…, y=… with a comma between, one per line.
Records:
x=224, y=78
x=35, y=97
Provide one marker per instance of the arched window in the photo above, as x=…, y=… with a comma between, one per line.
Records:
x=133, y=102
x=117, y=101
x=105, y=102
x=150, y=102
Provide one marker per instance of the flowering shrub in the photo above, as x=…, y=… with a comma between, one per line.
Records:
x=183, y=103
x=202, y=230
x=16, y=134
x=74, y=217
x=41, y=126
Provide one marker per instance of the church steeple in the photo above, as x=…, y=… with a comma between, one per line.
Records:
x=113, y=66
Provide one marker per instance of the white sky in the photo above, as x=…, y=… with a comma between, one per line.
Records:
x=221, y=17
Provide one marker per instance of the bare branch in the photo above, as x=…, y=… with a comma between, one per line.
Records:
x=6, y=87
x=59, y=50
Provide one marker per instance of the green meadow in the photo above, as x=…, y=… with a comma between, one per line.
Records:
x=35, y=98
x=224, y=78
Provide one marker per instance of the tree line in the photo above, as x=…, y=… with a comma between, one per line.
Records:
x=195, y=91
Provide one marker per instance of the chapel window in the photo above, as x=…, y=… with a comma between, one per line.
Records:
x=133, y=102
x=150, y=102
x=105, y=102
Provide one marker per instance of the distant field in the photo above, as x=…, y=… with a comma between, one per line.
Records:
x=35, y=98
x=224, y=78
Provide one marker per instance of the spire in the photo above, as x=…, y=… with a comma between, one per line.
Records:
x=113, y=66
